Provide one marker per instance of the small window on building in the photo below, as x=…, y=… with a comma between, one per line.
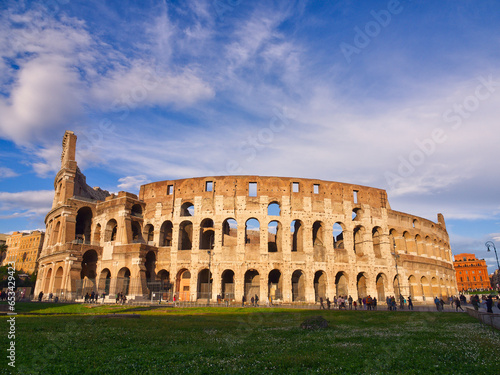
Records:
x=209, y=185
x=355, y=196
x=316, y=188
x=252, y=189
x=170, y=189
x=295, y=187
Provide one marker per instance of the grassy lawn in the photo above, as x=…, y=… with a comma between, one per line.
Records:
x=247, y=341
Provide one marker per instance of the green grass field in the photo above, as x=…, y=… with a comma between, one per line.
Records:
x=246, y=341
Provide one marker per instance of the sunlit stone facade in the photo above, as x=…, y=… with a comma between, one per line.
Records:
x=290, y=239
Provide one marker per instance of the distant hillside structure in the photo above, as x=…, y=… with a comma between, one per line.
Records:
x=24, y=249
x=471, y=273
x=290, y=239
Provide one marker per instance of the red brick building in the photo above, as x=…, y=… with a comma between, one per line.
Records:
x=472, y=273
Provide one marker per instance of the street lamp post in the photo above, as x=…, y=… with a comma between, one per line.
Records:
x=491, y=244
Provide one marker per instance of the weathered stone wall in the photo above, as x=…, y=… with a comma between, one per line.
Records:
x=326, y=239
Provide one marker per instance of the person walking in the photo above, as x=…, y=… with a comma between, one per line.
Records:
x=243, y=300
x=350, y=302
x=410, y=303
x=458, y=304
x=321, y=306
x=436, y=302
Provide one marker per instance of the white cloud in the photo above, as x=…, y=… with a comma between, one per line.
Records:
x=7, y=173
x=132, y=183
x=25, y=203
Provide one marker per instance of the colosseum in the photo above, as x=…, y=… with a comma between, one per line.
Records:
x=290, y=240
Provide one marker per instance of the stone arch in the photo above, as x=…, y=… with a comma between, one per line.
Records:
x=358, y=241
x=182, y=284
x=88, y=272
x=83, y=225
x=320, y=284
x=166, y=231
x=252, y=284
x=136, y=232
x=58, y=280
x=298, y=286
x=204, y=285
x=420, y=245
x=435, y=287
x=397, y=285
x=414, y=290
x=297, y=234
x=274, y=237
x=123, y=281
x=318, y=240
x=425, y=287
x=230, y=232
x=340, y=253
x=381, y=283
x=105, y=281
x=357, y=214
x=362, y=284
x=428, y=246
x=187, y=209
x=227, y=284
x=47, y=281
x=150, y=264
x=341, y=284
x=111, y=231
x=136, y=210
x=409, y=243
x=377, y=239
x=55, y=233
x=275, y=286
x=207, y=234
x=149, y=234
x=252, y=232
x=185, y=235
x=273, y=209
x=97, y=234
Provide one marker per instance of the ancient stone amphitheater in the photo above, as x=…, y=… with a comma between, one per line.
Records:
x=292, y=240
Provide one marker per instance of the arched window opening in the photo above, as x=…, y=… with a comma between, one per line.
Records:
x=88, y=272
x=319, y=285
x=377, y=239
x=381, y=282
x=83, y=225
x=105, y=281
x=341, y=284
x=252, y=232
x=187, y=209
x=361, y=285
x=183, y=281
x=358, y=237
x=150, y=264
x=227, y=286
x=185, y=235
x=274, y=237
x=204, y=284
x=318, y=243
x=298, y=286
x=275, y=289
x=111, y=230
x=166, y=233
x=207, y=234
x=229, y=233
x=274, y=209
x=123, y=281
x=97, y=234
x=296, y=230
x=149, y=233
x=136, y=210
x=252, y=284
x=136, y=233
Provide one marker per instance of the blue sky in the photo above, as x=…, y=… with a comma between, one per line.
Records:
x=403, y=96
